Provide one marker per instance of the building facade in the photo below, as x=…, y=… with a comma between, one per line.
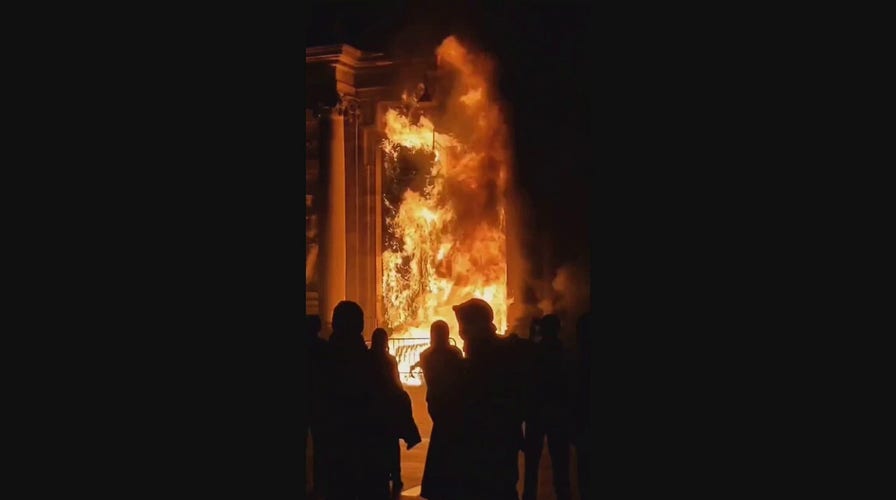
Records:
x=347, y=94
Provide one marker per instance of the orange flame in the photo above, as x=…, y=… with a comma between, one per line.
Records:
x=452, y=234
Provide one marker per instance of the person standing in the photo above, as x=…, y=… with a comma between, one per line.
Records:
x=549, y=413
x=442, y=367
x=317, y=349
x=387, y=389
x=491, y=407
x=582, y=404
x=354, y=469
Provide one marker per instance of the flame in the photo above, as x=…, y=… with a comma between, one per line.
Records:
x=451, y=232
x=407, y=354
x=472, y=97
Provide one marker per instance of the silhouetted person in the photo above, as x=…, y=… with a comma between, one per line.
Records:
x=548, y=414
x=524, y=349
x=527, y=348
x=304, y=406
x=354, y=469
x=582, y=404
x=442, y=365
x=387, y=396
x=317, y=349
x=491, y=407
x=384, y=362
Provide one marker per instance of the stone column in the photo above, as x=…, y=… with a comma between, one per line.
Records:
x=334, y=247
x=377, y=203
x=360, y=212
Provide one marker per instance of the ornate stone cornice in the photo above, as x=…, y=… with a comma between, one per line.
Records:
x=345, y=55
x=348, y=107
x=359, y=79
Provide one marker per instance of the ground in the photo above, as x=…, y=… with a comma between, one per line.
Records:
x=412, y=461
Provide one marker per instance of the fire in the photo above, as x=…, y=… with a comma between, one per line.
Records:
x=472, y=97
x=450, y=238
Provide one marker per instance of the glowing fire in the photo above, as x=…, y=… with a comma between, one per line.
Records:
x=450, y=235
x=407, y=354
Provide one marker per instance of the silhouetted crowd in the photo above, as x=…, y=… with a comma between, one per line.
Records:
x=500, y=396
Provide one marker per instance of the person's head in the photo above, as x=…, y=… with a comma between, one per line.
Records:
x=348, y=318
x=533, y=330
x=549, y=326
x=312, y=325
x=475, y=320
x=379, y=341
x=438, y=334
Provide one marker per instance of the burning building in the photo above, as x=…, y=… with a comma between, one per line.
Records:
x=409, y=176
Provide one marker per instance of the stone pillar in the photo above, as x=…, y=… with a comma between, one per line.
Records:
x=352, y=85
x=334, y=247
x=314, y=214
x=376, y=169
x=360, y=211
x=368, y=246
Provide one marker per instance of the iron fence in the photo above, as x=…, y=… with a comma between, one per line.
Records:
x=407, y=350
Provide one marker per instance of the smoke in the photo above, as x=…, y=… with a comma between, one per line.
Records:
x=477, y=181
x=572, y=289
x=567, y=293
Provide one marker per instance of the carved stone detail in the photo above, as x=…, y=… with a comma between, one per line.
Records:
x=349, y=107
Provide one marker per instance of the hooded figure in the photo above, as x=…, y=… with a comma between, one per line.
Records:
x=442, y=368
x=392, y=408
x=491, y=406
x=582, y=402
x=354, y=470
x=548, y=414
x=318, y=351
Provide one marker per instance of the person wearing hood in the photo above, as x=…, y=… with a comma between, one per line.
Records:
x=548, y=414
x=354, y=471
x=491, y=407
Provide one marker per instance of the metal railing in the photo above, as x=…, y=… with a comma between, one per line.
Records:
x=407, y=350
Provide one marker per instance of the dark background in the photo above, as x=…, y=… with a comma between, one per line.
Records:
x=544, y=77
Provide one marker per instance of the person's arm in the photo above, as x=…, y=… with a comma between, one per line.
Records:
x=420, y=361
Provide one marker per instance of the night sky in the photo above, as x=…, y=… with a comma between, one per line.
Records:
x=542, y=74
